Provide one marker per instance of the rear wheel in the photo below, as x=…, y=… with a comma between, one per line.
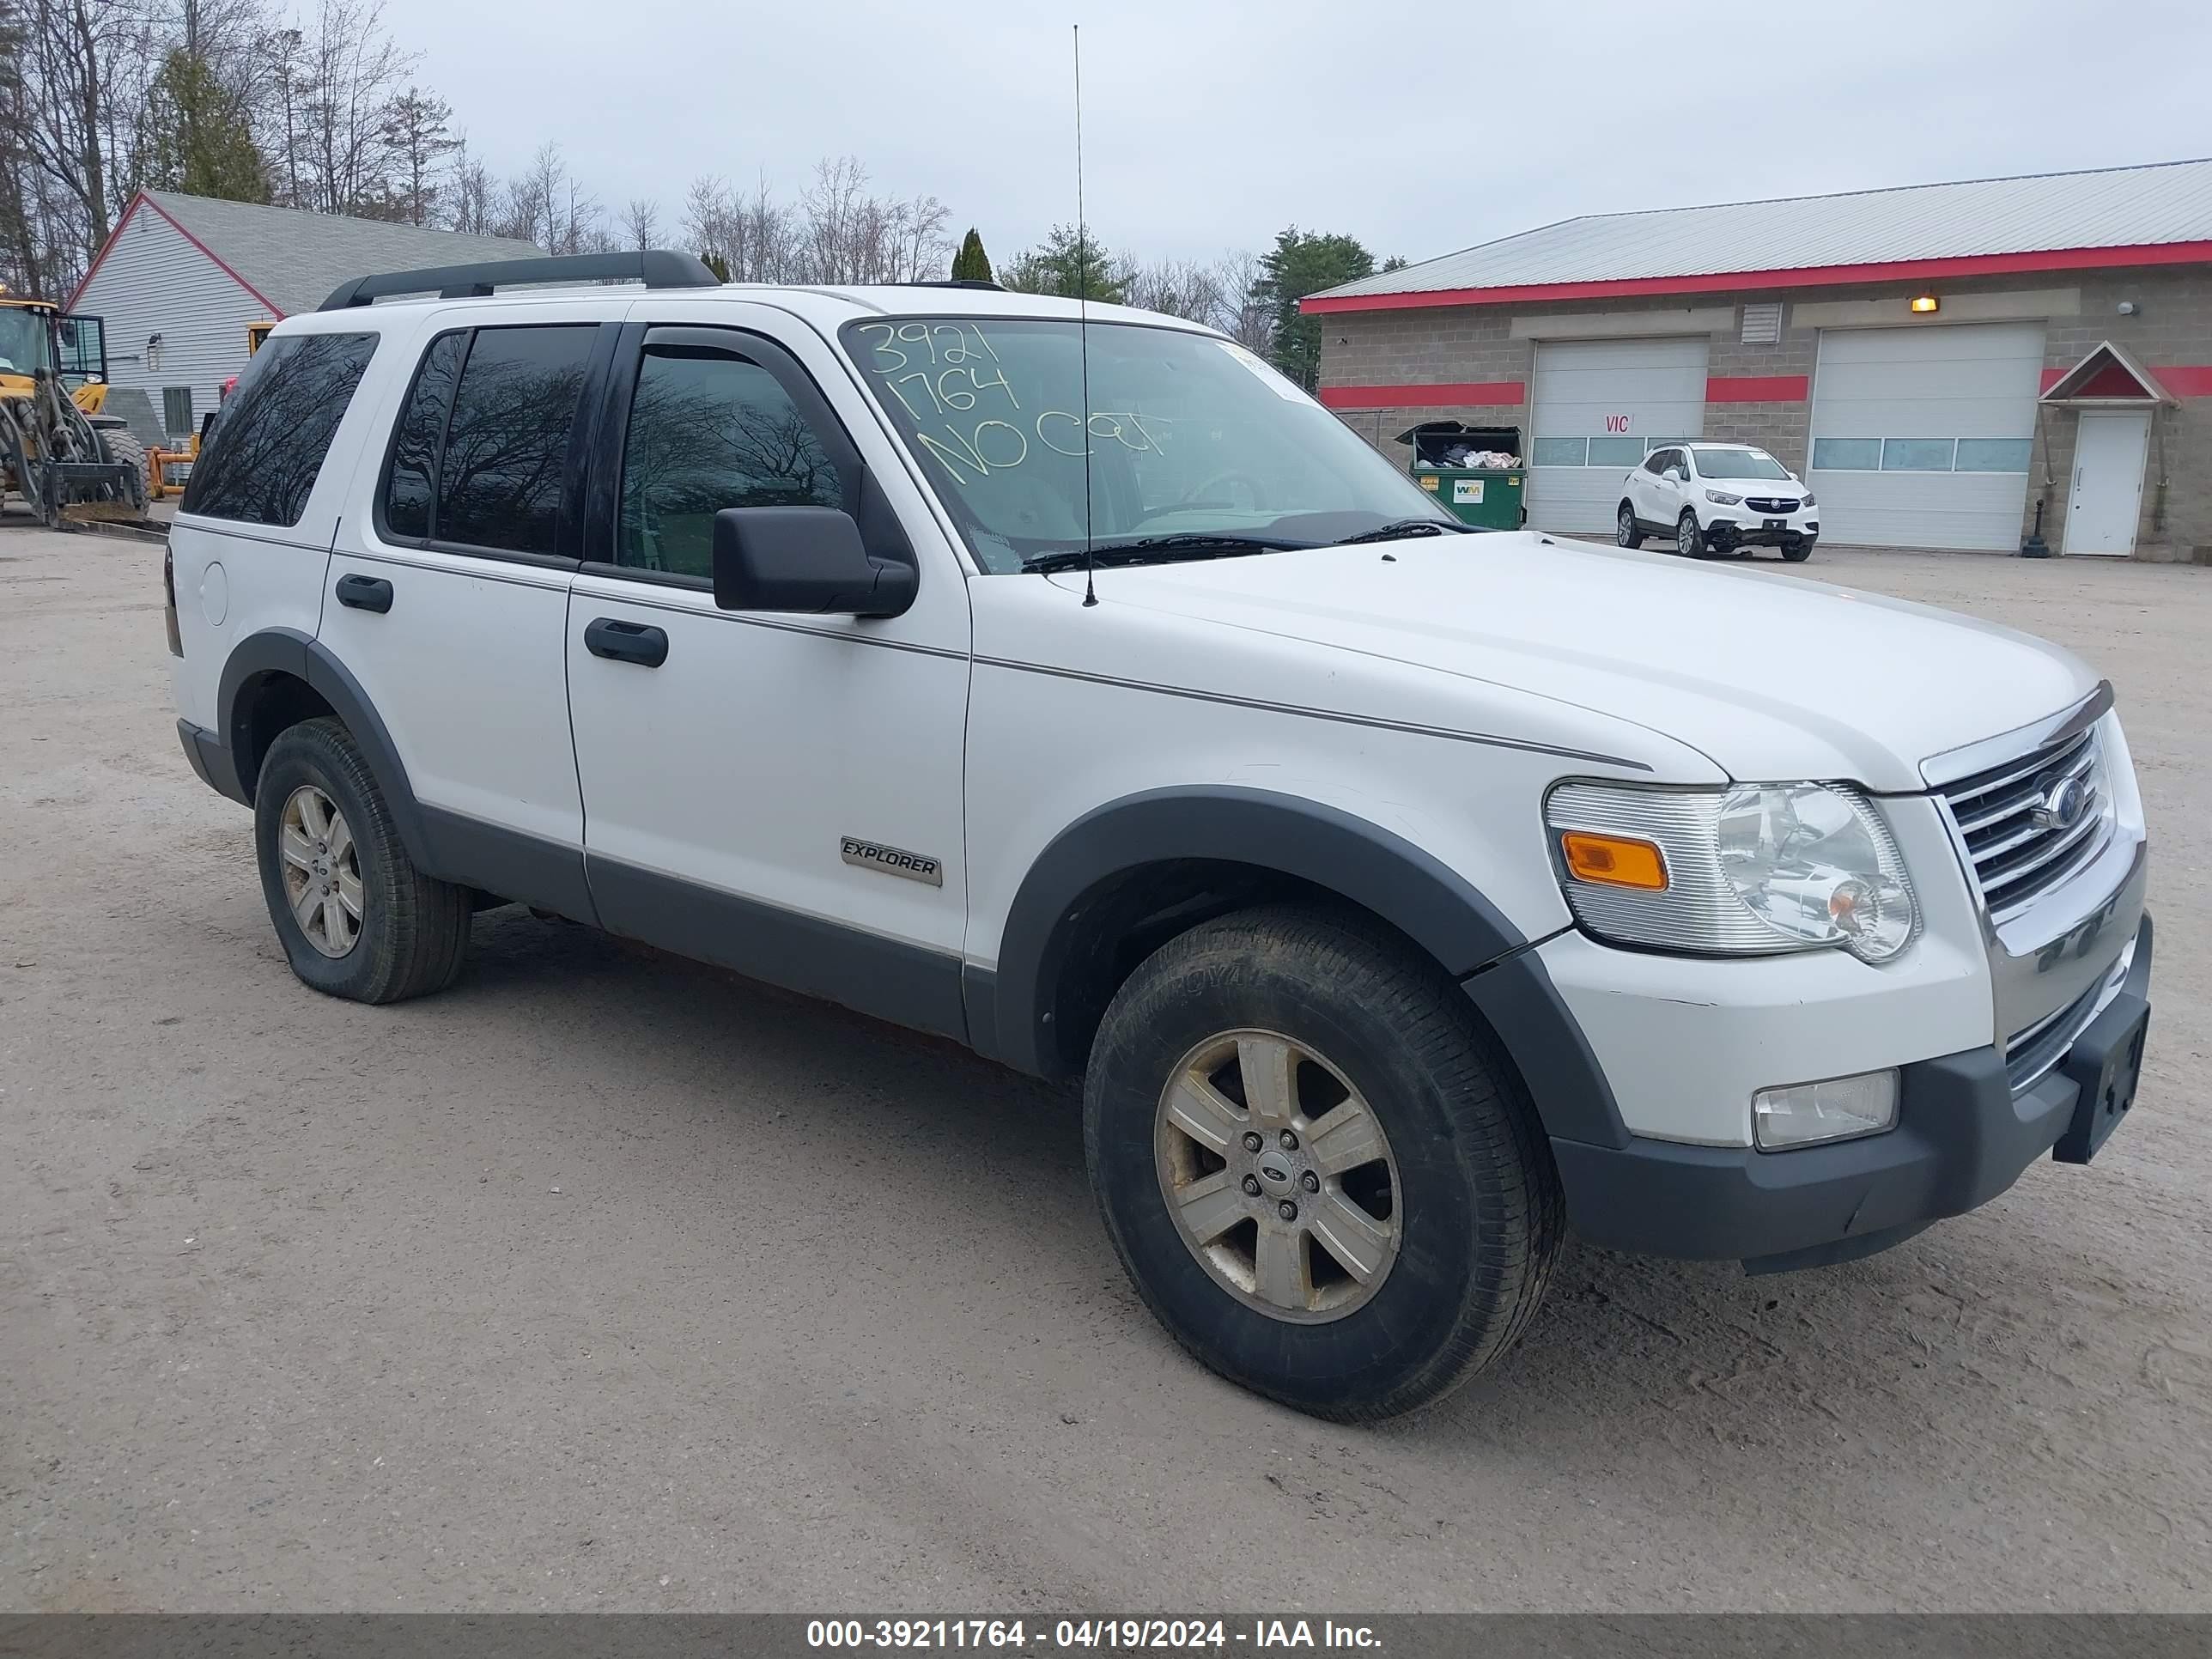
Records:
x=1689, y=540
x=1322, y=1177
x=355, y=917
x=1624, y=527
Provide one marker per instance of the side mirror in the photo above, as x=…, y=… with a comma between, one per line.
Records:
x=806, y=559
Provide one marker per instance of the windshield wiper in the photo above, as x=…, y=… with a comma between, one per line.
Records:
x=1152, y=549
x=1397, y=527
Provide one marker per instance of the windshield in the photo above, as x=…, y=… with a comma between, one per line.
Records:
x=22, y=340
x=1738, y=464
x=1189, y=437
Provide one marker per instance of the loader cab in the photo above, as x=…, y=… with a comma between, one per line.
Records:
x=26, y=339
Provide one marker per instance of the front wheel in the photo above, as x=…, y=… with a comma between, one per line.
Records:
x=1624, y=527
x=1689, y=540
x=1797, y=551
x=1322, y=1175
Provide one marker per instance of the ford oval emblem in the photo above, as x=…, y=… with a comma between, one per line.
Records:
x=2062, y=804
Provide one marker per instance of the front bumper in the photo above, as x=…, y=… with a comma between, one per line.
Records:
x=1740, y=526
x=1962, y=1137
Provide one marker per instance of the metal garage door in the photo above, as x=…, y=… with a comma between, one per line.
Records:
x=1922, y=436
x=1601, y=406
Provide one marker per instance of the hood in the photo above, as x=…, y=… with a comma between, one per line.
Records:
x=1770, y=676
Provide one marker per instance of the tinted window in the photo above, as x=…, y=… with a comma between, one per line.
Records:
x=1657, y=464
x=261, y=462
x=707, y=431
x=507, y=443
x=407, y=485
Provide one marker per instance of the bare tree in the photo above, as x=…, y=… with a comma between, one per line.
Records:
x=417, y=135
x=354, y=69
x=640, y=223
x=472, y=193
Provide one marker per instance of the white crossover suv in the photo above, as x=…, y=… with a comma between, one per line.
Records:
x=1078, y=689
x=1719, y=498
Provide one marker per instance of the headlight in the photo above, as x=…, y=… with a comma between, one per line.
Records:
x=1809, y=500
x=1721, y=498
x=1755, y=870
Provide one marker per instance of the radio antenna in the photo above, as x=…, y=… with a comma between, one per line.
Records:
x=1083, y=322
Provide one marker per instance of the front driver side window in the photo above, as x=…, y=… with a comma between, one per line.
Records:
x=710, y=430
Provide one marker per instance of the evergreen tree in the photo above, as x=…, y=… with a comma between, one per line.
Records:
x=199, y=139
x=971, y=264
x=1303, y=262
x=1071, y=264
x=717, y=265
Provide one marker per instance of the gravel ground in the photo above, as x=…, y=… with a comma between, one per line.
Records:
x=607, y=1281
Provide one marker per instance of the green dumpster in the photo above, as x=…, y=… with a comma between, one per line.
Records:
x=1489, y=496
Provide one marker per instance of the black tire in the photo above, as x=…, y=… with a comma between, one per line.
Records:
x=1625, y=531
x=1477, y=1199
x=1689, y=540
x=1798, y=552
x=118, y=445
x=414, y=931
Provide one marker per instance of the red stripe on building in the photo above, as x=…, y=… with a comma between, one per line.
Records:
x=1433, y=395
x=1972, y=264
x=1756, y=388
x=2052, y=377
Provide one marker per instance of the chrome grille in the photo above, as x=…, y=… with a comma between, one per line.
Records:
x=2030, y=1055
x=2017, y=845
x=1772, y=503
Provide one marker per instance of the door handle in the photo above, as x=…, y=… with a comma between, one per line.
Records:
x=365, y=593
x=627, y=641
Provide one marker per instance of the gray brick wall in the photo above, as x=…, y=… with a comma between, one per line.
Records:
x=2172, y=325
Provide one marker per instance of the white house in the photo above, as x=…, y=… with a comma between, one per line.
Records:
x=180, y=277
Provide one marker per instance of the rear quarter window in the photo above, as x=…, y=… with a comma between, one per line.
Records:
x=260, y=463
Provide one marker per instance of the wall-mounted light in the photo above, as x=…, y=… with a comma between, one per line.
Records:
x=2127, y=307
x=1924, y=303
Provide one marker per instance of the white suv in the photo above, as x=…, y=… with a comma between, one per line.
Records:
x=1086, y=693
x=1724, y=498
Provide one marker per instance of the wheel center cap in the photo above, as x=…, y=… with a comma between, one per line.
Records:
x=1276, y=1174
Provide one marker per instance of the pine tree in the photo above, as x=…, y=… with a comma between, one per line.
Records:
x=717, y=265
x=971, y=264
x=199, y=139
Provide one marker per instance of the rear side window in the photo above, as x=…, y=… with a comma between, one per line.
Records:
x=507, y=442
x=261, y=462
x=483, y=443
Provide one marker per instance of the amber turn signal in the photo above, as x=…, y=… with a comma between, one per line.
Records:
x=1614, y=860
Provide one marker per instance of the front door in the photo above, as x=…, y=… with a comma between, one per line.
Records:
x=2108, y=478
x=778, y=794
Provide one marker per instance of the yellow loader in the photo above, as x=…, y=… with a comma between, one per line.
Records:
x=70, y=462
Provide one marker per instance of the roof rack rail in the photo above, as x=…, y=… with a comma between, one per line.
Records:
x=654, y=267
x=955, y=282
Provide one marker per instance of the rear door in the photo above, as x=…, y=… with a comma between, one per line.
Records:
x=781, y=793
x=449, y=591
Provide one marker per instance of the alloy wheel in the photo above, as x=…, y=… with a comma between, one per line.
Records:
x=1625, y=527
x=1686, y=539
x=322, y=871
x=1279, y=1177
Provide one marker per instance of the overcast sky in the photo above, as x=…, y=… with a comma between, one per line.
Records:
x=1420, y=127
